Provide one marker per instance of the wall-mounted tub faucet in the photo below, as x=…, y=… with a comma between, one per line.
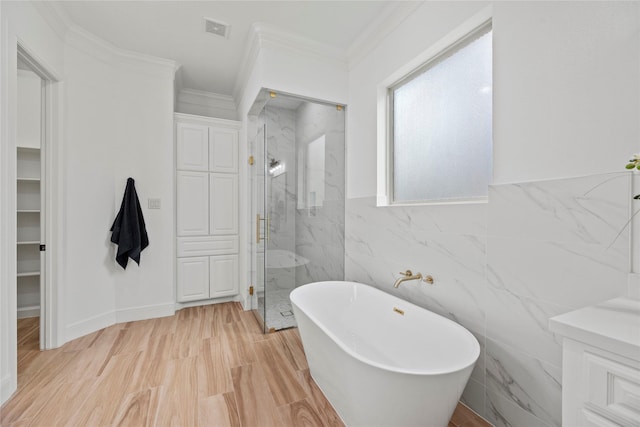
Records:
x=408, y=275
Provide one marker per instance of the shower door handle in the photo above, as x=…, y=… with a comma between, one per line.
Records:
x=266, y=228
x=258, y=229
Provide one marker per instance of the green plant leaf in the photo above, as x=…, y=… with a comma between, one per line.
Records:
x=630, y=166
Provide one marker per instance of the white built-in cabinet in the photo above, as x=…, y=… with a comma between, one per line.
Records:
x=207, y=203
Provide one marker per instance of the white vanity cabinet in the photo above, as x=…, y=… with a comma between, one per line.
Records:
x=207, y=207
x=601, y=364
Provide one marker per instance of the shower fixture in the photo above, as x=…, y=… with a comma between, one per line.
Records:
x=276, y=168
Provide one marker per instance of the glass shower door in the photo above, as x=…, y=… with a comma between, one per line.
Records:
x=259, y=203
x=298, y=199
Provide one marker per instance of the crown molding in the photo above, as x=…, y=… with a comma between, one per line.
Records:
x=207, y=120
x=87, y=42
x=271, y=36
x=76, y=36
x=263, y=35
x=386, y=22
x=213, y=104
x=207, y=96
x=57, y=18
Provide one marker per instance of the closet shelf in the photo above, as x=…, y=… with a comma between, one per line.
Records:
x=28, y=274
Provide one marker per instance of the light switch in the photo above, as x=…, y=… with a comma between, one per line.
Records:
x=153, y=203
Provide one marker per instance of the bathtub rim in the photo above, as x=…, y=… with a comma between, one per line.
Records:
x=361, y=358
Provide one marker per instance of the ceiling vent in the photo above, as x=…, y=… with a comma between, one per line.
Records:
x=216, y=27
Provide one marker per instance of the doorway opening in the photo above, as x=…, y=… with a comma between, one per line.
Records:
x=37, y=97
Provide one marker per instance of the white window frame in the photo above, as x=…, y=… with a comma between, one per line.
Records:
x=436, y=51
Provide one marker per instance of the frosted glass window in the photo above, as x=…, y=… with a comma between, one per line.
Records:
x=442, y=115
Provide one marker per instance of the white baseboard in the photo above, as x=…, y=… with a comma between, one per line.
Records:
x=95, y=323
x=87, y=326
x=246, y=302
x=25, y=312
x=92, y=324
x=145, y=312
x=181, y=305
x=8, y=386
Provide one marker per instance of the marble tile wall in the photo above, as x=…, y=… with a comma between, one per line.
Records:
x=502, y=269
x=280, y=190
x=320, y=230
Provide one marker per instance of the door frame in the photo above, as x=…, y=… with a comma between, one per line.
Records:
x=10, y=44
x=50, y=188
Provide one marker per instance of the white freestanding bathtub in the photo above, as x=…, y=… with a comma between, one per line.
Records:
x=379, y=360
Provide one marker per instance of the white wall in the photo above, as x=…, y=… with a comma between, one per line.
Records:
x=566, y=104
x=295, y=73
x=145, y=152
x=566, y=93
x=118, y=122
x=29, y=95
x=89, y=152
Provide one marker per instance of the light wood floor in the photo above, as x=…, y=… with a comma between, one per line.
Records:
x=206, y=366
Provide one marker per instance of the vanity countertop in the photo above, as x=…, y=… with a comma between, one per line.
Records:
x=612, y=325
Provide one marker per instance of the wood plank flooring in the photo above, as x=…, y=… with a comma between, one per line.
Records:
x=205, y=366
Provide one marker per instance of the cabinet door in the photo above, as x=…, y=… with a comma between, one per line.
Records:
x=192, y=147
x=193, y=279
x=223, y=150
x=223, y=276
x=192, y=203
x=223, y=203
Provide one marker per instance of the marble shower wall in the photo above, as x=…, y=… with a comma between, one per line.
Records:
x=320, y=230
x=502, y=269
x=281, y=197
x=305, y=244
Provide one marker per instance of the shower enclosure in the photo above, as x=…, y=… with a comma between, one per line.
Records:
x=297, y=200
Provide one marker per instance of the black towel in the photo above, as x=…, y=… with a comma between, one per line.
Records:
x=129, y=231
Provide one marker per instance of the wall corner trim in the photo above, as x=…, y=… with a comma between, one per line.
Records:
x=8, y=386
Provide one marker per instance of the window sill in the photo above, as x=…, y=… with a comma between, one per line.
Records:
x=382, y=202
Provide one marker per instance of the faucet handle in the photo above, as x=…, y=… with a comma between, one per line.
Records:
x=406, y=273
